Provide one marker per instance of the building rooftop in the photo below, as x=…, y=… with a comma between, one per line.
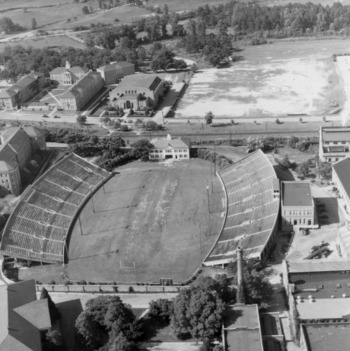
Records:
x=344, y=234
x=75, y=70
x=242, y=328
x=321, y=285
x=342, y=169
x=308, y=266
x=176, y=143
x=335, y=133
x=82, y=83
x=22, y=317
x=7, y=166
x=296, y=193
x=324, y=309
x=326, y=337
x=143, y=81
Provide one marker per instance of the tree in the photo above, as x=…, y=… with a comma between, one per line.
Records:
x=81, y=119
x=257, y=287
x=106, y=318
x=209, y=117
x=121, y=343
x=141, y=149
x=85, y=10
x=325, y=170
x=54, y=340
x=198, y=312
x=34, y=24
x=292, y=142
x=161, y=309
x=285, y=163
x=303, y=169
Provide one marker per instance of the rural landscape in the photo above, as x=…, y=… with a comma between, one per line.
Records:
x=174, y=175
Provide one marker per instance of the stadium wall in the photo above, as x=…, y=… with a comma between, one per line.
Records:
x=219, y=262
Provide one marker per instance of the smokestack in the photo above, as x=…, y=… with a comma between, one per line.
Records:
x=240, y=282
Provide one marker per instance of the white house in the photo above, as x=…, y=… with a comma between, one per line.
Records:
x=165, y=148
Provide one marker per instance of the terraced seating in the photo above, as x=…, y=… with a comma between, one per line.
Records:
x=38, y=227
x=252, y=209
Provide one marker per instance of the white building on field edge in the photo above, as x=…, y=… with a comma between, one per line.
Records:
x=166, y=148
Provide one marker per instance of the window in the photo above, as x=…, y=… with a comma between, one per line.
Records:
x=335, y=143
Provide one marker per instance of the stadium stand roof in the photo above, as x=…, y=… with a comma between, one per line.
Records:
x=242, y=330
x=252, y=209
x=22, y=317
x=38, y=227
x=326, y=337
x=296, y=193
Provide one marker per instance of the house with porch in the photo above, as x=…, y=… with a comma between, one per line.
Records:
x=166, y=148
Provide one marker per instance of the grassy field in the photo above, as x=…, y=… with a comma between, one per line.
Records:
x=44, y=42
x=276, y=79
x=149, y=221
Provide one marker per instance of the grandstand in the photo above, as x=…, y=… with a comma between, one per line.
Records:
x=38, y=227
x=252, y=201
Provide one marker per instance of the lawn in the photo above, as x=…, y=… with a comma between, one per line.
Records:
x=150, y=221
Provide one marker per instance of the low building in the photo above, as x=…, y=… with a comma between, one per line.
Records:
x=242, y=329
x=23, y=90
x=297, y=205
x=341, y=180
x=325, y=336
x=138, y=92
x=81, y=92
x=115, y=71
x=24, y=319
x=165, y=148
x=334, y=143
x=343, y=241
x=67, y=75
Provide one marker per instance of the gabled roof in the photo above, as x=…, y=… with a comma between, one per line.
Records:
x=79, y=85
x=112, y=66
x=7, y=166
x=74, y=70
x=7, y=93
x=177, y=143
x=17, y=332
x=124, y=64
x=32, y=131
x=7, y=153
x=143, y=81
x=36, y=313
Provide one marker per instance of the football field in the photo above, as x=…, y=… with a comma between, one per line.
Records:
x=150, y=221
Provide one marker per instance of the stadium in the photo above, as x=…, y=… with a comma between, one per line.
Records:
x=147, y=222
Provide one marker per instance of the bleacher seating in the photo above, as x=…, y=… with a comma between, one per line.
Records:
x=252, y=210
x=38, y=227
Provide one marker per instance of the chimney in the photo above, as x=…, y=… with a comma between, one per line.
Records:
x=168, y=137
x=67, y=64
x=240, y=282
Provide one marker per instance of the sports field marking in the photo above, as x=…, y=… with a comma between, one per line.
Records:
x=131, y=268
x=99, y=231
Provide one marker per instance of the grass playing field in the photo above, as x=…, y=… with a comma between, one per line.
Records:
x=148, y=222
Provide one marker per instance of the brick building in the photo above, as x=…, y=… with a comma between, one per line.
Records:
x=81, y=92
x=297, y=205
x=67, y=75
x=138, y=92
x=115, y=71
x=23, y=90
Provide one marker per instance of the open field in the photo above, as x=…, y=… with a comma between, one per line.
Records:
x=44, y=42
x=149, y=221
x=271, y=80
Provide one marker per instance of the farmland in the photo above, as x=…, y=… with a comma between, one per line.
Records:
x=149, y=221
x=276, y=79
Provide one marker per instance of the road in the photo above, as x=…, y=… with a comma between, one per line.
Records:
x=135, y=300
